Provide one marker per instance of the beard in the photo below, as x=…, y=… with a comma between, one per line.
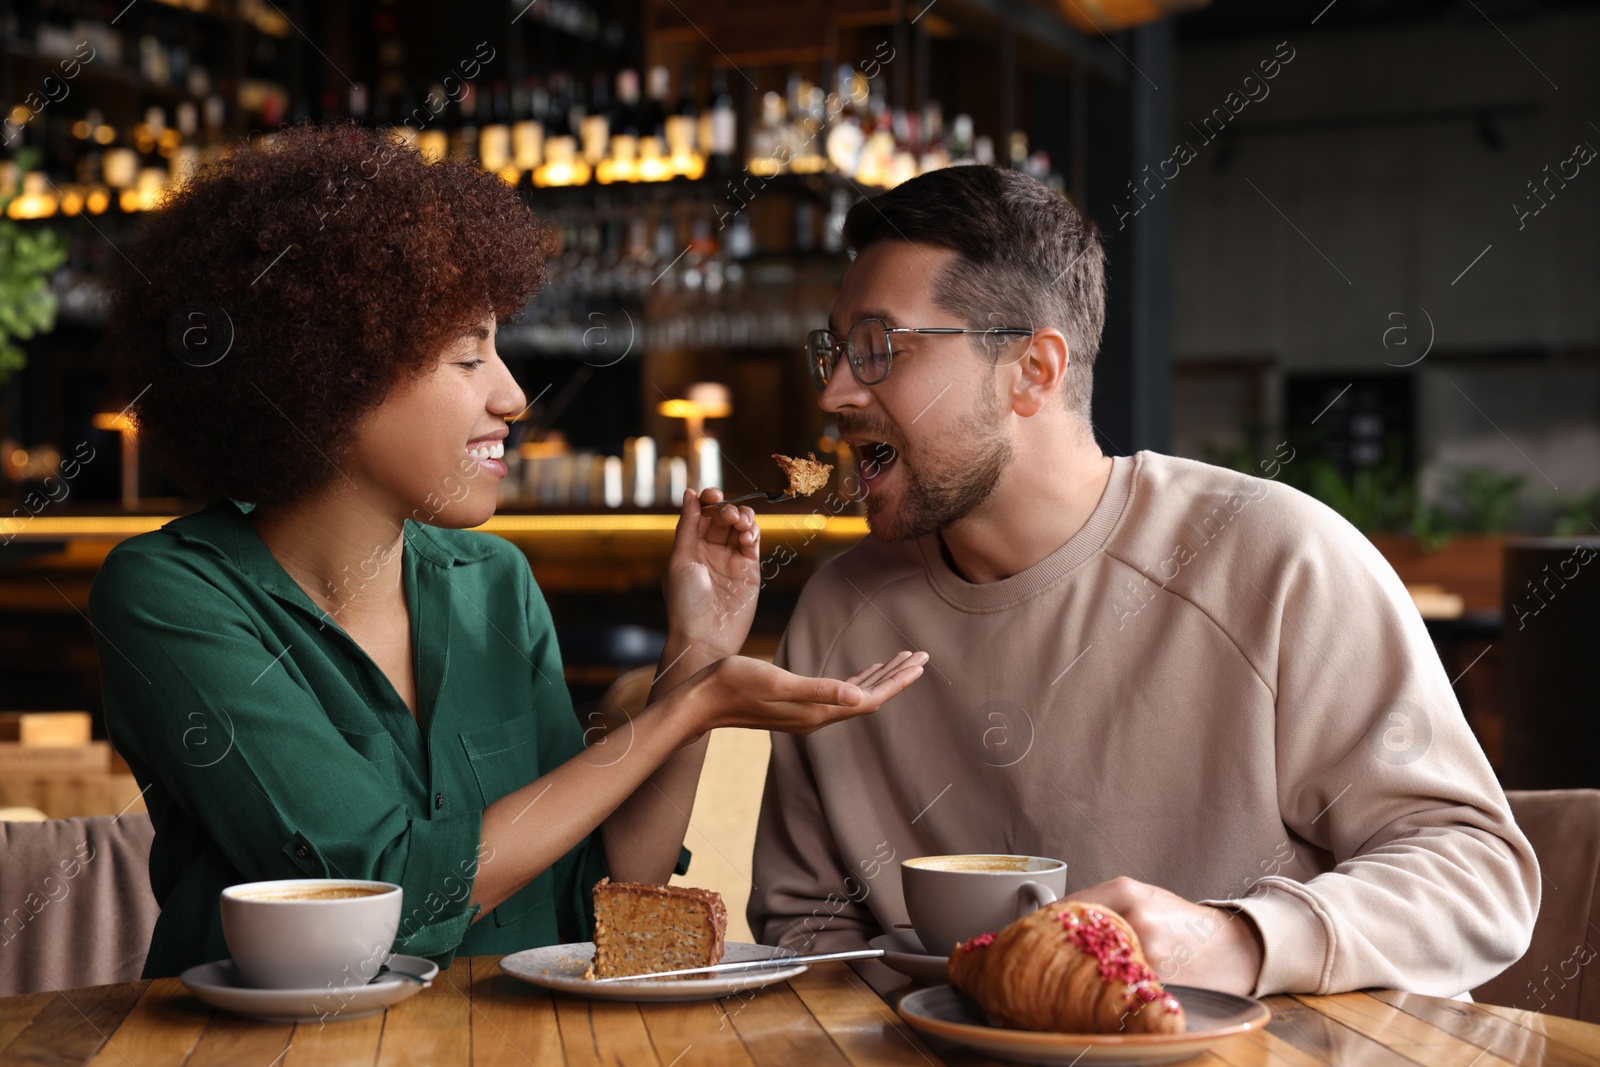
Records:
x=942, y=484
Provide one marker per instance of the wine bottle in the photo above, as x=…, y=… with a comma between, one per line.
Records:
x=655, y=109
x=724, y=126
x=684, y=157
x=527, y=133
x=595, y=131
x=844, y=137
x=621, y=162
x=494, y=137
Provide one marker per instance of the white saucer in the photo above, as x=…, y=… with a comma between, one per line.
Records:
x=904, y=953
x=220, y=985
x=561, y=967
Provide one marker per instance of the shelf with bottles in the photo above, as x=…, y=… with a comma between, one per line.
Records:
x=551, y=138
x=749, y=308
x=600, y=23
x=684, y=269
x=74, y=165
x=110, y=112
x=570, y=136
x=566, y=129
x=163, y=49
x=84, y=63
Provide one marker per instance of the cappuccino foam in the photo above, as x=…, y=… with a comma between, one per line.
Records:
x=330, y=892
x=989, y=864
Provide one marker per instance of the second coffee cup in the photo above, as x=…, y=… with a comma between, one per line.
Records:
x=952, y=898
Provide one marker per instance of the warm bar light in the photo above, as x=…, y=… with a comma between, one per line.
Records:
x=562, y=165
x=119, y=421
x=117, y=527
x=842, y=526
x=36, y=201
x=652, y=168
x=680, y=409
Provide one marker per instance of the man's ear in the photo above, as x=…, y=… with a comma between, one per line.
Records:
x=1041, y=371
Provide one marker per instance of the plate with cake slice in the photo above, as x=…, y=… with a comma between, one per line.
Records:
x=643, y=929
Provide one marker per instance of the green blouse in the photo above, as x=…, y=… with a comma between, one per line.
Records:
x=271, y=746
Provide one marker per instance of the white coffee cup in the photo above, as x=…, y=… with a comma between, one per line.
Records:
x=310, y=933
x=952, y=898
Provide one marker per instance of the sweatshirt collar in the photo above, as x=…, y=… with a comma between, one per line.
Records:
x=1007, y=592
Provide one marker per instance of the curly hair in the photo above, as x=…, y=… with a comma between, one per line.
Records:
x=279, y=296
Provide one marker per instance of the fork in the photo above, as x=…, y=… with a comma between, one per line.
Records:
x=770, y=498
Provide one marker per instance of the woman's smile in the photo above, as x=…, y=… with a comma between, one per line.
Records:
x=489, y=452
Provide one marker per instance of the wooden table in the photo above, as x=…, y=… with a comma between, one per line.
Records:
x=827, y=1017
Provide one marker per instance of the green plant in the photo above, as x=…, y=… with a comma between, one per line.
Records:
x=1377, y=499
x=1384, y=498
x=1487, y=498
x=1576, y=512
x=1433, y=526
x=27, y=306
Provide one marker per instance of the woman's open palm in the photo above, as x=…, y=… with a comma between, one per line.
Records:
x=757, y=695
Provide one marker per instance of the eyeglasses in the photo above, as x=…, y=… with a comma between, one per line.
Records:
x=869, y=349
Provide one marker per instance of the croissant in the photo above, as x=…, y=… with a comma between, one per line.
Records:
x=1070, y=968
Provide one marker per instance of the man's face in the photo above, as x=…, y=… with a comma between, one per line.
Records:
x=931, y=438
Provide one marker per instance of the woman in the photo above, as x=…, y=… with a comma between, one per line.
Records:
x=320, y=674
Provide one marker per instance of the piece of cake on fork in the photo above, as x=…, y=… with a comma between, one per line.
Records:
x=806, y=476
x=641, y=929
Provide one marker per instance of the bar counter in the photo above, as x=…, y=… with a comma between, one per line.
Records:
x=572, y=551
x=598, y=569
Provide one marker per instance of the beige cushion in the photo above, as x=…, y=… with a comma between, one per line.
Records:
x=1563, y=826
x=75, y=902
x=722, y=825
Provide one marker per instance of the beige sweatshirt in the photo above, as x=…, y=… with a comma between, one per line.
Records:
x=1217, y=686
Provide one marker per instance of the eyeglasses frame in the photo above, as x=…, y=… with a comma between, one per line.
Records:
x=888, y=354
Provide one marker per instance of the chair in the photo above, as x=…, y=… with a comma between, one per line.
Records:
x=75, y=902
x=722, y=824
x=1564, y=827
x=1552, y=612
x=595, y=658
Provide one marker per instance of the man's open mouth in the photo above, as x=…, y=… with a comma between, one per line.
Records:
x=876, y=457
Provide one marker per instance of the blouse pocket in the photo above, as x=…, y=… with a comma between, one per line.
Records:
x=377, y=749
x=504, y=758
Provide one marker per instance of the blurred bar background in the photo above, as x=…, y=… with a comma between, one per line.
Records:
x=1352, y=250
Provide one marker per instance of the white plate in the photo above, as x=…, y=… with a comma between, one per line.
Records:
x=561, y=967
x=1211, y=1017
x=220, y=985
x=903, y=952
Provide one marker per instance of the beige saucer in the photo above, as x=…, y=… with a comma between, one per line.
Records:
x=1211, y=1016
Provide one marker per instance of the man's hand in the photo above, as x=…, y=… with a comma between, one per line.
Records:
x=713, y=575
x=1191, y=944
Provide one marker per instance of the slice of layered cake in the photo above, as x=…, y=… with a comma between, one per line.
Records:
x=641, y=929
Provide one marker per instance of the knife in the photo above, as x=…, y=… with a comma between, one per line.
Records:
x=750, y=965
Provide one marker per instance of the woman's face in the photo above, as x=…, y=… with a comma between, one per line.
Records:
x=432, y=451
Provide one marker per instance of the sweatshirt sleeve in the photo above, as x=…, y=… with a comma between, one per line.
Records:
x=1432, y=887
x=804, y=898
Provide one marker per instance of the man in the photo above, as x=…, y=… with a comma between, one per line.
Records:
x=1205, y=691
